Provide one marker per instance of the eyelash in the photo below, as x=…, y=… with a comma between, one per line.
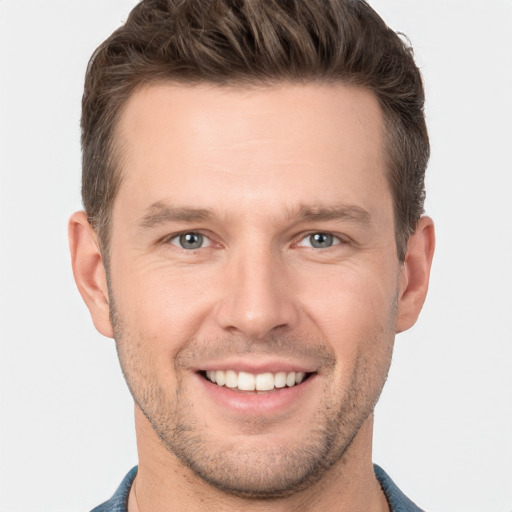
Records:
x=334, y=239
x=179, y=236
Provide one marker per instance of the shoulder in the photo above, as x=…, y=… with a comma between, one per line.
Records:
x=398, y=501
x=119, y=501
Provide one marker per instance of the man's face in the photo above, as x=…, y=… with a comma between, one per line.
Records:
x=253, y=245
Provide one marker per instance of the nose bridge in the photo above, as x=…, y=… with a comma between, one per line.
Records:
x=256, y=298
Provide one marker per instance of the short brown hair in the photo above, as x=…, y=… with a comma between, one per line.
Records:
x=237, y=42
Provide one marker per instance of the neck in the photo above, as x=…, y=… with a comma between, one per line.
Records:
x=165, y=484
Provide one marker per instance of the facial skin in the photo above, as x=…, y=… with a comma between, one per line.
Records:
x=291, y=265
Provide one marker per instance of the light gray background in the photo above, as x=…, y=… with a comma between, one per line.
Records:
x=444, y=423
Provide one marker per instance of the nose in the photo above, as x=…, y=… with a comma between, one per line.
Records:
x=257, y=296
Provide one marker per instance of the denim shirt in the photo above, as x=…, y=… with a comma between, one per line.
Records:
x=398, y=501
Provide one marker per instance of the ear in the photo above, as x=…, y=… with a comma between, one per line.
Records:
x=89, y=271
x=415, y=274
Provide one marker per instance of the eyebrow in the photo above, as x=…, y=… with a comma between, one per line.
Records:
x=160, y=213
x=351, y=213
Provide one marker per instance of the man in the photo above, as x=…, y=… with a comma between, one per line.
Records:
x=253, y=180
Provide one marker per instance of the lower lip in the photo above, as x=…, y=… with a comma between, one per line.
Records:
x=254, y=403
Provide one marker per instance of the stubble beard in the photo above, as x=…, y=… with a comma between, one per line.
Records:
x=263, y=472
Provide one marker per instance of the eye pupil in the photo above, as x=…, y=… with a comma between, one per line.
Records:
x=191, y=240
x=321, y=240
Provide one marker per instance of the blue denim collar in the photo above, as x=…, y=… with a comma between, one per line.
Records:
x=398, y=501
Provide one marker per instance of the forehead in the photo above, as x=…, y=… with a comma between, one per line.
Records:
x=288, y=144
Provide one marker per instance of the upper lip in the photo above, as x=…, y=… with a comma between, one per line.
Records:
x=239, y=364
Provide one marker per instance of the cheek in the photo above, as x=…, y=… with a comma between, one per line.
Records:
x=357, y=319
x=164, y=305
x=352, y=305
x=355, y=313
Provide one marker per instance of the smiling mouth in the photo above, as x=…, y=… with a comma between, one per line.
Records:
x=261, y=382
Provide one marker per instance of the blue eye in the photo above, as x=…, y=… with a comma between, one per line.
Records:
x=319, y=241
x=190, y=241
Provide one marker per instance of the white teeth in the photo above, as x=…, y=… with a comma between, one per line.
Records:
x=246, y=381
x=299, y=377
x=249, y=382
x=231, y=379
x=264, y=381
x=290, y=379
x=280, y=379
x=220, y=378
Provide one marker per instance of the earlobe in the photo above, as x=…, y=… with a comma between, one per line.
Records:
x=415, y=274
x=89, y=271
